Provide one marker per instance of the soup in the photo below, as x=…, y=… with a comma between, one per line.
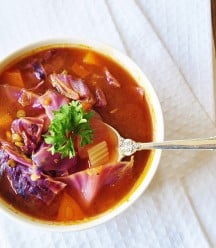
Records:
x=58, y=159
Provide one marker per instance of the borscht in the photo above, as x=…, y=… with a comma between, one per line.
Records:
x=58, y=159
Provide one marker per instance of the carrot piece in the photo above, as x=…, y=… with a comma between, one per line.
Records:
x=5, y=120
x=13, y=78
x=91, y=59
x=79, y=70
x=69, y=209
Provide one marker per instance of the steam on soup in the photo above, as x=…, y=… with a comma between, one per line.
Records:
x=58, y=160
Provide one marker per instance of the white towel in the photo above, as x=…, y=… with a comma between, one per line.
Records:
x=171, y=42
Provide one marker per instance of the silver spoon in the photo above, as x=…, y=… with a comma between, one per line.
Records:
x=128, y=147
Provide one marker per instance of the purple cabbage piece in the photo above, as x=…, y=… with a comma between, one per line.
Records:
x=28, y=98
x=53, y=165
x=13, y=153
x=23, y=96
x=101, y=99
x=33, y=72
x=52, y=100
x=43, y=188
x=87, y=183
x=30, y=129
x=62, y=83
x=46, y=123
x=111, y=79
x=39, y=70
x=81, y=88
x=17, y=156
x=4, y=157
x=71, y=88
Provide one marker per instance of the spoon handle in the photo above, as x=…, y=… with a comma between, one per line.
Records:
x=128, y=147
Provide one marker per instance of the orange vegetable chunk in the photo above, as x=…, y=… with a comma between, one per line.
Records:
x=69, y=209
x=13, y=78
x=91, y=59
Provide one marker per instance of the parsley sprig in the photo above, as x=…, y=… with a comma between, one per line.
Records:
x=69, y=122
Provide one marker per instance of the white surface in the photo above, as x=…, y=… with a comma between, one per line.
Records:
x=184, y=28
x=171, y=42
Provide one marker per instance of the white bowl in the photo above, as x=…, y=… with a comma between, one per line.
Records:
x=158, y=134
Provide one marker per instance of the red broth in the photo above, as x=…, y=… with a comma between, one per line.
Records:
x=126, y=110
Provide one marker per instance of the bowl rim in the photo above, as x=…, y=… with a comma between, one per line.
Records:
x=156, y=112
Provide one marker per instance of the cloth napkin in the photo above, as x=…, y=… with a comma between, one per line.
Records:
x=171, y=41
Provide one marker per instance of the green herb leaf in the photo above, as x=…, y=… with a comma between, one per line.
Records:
x=69, y=122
